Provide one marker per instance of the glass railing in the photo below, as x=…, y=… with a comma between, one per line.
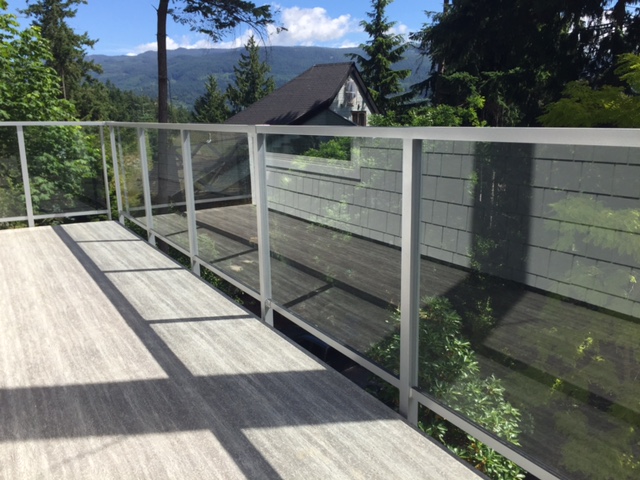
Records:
x=50, y=171
x=485, y=278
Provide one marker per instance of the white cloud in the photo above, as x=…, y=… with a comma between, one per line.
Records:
x=184, y=42
x=304, y=26
x=310, y=26
x=400, y=29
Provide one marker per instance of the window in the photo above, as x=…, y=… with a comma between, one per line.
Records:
x=359, y=118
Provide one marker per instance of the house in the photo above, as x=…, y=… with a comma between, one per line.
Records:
x=327, y=94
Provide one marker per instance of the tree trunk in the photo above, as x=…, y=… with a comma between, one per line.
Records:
x=164, y=166
x=163, y=75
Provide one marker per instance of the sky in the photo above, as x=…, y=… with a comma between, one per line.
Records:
x=128, y=27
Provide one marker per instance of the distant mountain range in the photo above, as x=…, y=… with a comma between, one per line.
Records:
x=189, y=69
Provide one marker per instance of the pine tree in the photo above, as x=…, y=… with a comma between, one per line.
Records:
x=251, y=82
x=383, y=51
x=212, y=106
x=67, y=47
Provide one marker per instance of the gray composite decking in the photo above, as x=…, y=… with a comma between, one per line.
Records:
x=342, y=283
x=117, y=363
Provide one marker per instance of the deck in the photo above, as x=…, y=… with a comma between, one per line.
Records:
x=348, y=287
x=117, y=363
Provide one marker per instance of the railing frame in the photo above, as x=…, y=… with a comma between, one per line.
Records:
x=413, y=138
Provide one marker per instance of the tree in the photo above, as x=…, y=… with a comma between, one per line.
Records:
x=59, y=158
x=383, y=50
x=211, y=107
x=211, y=17
x=522, y=53
x=607, y=106
x=251, y=82
x=67, y=47
x=29, y=87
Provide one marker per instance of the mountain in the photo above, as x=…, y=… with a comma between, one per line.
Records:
x=188, y=69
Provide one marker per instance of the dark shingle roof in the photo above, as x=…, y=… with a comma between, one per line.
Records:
x=303, y=97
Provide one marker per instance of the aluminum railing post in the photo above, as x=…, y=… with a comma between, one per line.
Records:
x=116, y=174
x=25, y=176
x=146, y=186
x=190, y=200
x=258, y=160
x=105, y=173
x=410, y=277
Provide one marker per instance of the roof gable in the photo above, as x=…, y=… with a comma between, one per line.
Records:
x=303, y=97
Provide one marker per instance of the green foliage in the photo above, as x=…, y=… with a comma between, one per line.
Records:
x=60, y=158
x=524, y=53
x=251, y=82
x=381, y=53
x=608, y=106
x=67, y=47
x=629, y=71
x=435, y=115
x=29, y=89
x=337, y=148
x=449, y=370
x=212, y=106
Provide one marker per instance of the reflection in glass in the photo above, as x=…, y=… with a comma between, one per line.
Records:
x=12, y=201
x=166, y=179
x=528, y=323
x=227, y=224
x=335, y=234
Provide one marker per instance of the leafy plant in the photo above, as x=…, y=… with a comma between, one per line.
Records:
x=449, y=371
x=338, y=148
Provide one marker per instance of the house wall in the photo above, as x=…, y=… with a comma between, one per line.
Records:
x=344, y=108
x=532, y=214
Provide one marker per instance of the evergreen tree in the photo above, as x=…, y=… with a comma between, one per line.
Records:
x=383, y=51
x=251, y=82
x=519, y=55
x=211, y=107
x=67, y=47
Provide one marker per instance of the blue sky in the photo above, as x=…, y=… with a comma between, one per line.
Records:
x=126, y=27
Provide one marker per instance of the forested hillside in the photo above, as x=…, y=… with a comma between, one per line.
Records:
x=188, y=69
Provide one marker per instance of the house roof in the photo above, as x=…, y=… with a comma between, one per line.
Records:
x=303, y=97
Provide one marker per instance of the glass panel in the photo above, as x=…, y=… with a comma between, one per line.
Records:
x=65, y=169
x=335, y=237
x=166, y=175
x=529, y=319
x=12, y=201
x=227, y=224
x=131, y=172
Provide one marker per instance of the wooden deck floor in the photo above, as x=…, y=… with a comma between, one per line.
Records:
x=117, y=363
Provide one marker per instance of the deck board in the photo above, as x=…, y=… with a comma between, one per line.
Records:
x=116, y=363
